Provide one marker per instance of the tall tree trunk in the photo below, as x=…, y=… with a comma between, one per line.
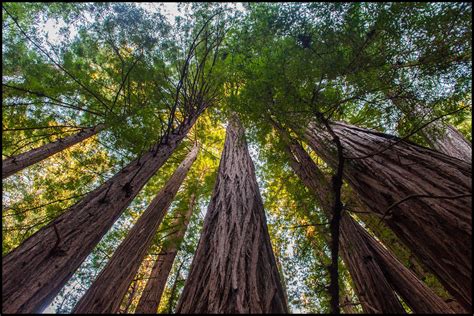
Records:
x=234, y=269
x=151, y=296
x=420, y=298
x=107, y=292
x=371, y=286
x=422, y=195
x=451, y=142
x=34, y=272
x=26, y=159
x=366, y=260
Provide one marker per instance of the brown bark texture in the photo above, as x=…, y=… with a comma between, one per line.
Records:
x=234, y=268
x=375, y=272
x=26, y=159
x=107, y=292
x=34, y=272
x=424, y=196
x=151, y=296
x=453, y=143
x=370, y=284
x=419, y=297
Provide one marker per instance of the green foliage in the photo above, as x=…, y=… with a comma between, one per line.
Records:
x=388, y=66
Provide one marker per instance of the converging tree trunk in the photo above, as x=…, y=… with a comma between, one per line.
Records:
x=366, y=260
x=370, y=284
x=422, y=195
x=234, y=268
x=151, y=296
x=451, y=142
x=26, y=159
x=34, y=272
x=106, y=293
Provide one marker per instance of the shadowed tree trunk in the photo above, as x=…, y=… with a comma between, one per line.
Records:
x=234, y=269
x=151, y=296
x=451, y=142
x=26, y=159
x=34, y=272
x=422, y=195
x=107, y=292
x=374, y=271
x=371, y=286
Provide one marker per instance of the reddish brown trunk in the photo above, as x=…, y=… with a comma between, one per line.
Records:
x=26, y=159
x=452, y=143
x=107, y=292
x=375, y=272
x=234, y=269
x=420, y=298
x=370, y=284
x=438, y=230
x=34, y=272
x=150, y=299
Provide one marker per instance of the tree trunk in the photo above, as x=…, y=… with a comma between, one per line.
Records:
x=34, y=272
x=107, y=292
x=151, y=296
x=453, y=143
x=26, y=159
x=420, y=298
x=374, y=271
x=234, y=269
x=423, y=196
x=370, y=284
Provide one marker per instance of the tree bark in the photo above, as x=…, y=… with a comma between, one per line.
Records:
x=420, y=298
x=26, y=159
x=107, y=292
x=422, y=195
x=452, y=143
x=151, y=296
x=234, y=268
x=370, y=284
x=34, y=272
x=374, y=271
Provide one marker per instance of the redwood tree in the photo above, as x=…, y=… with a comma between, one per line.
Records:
x=422, y=195
x=108, y=290
x=34, y=272
x=151, y=296
x=375, y=272
x=26, y=159
x=234, y=268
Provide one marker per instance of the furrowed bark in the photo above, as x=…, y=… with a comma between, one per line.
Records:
x=370, y=284
x=107, y=292
x=420, y=298
x=422, y=195
x=34, y=272
x=150, y=299
x=365, y=258
x=26, y=159
x=234, y=269
x=452, y=143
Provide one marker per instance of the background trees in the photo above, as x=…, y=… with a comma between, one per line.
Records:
x=157, y=86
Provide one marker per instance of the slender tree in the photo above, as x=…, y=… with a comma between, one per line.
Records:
x=234, y=269
x=108, y=290
x=422, y=195
x=34, y=272
x=26, y=159
x=151, y=296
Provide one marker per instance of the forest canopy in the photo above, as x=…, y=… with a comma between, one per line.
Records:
x=237, y=157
